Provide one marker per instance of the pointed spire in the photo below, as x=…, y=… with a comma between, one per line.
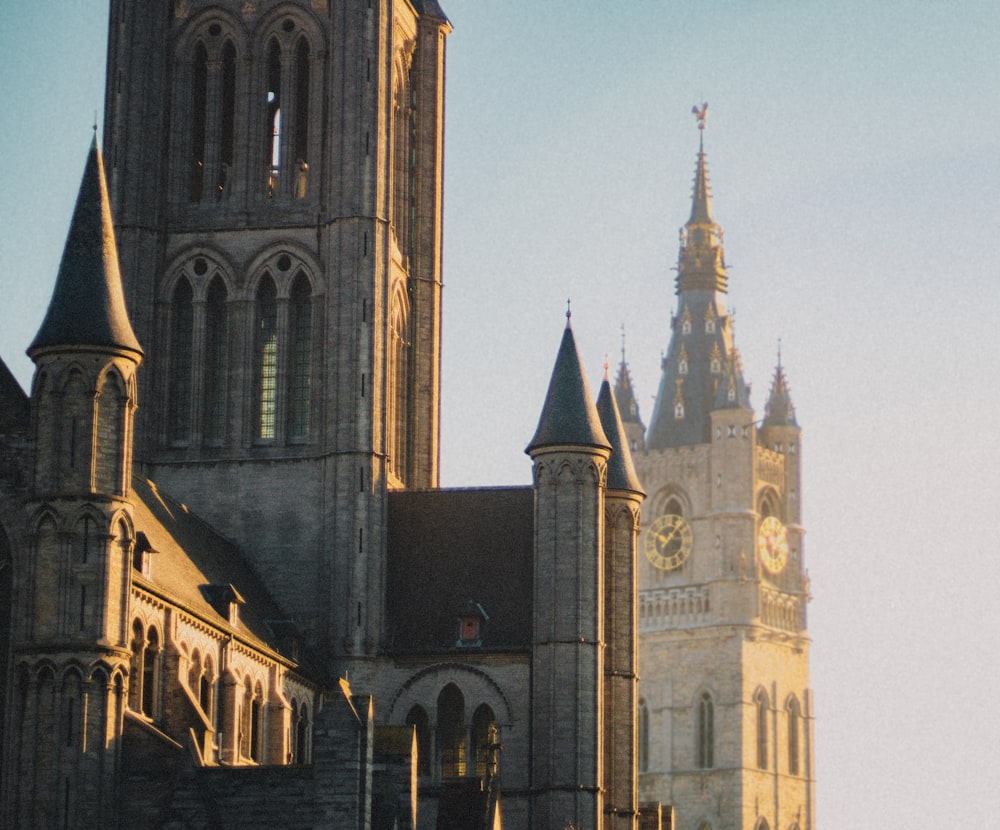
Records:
x=88, y=304
x=701, y=204
x=568, y=416
x=628, y=407
x=701, y=260
x=621, y=472
x=779, y=411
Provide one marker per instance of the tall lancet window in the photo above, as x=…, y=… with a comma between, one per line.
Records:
x=216, y=363
x=300, y=314
x=227, y=123
x=266, y=355
x=274, y=137
x=110, y=429
x=398, y=386
x=761, y=707
x=301, y=136
x=181, y=347
x=706, y=732
x=451, y=731
x=199, y=122
x=794, y=716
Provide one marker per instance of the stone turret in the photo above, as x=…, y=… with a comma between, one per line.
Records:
x=570, y=453
x=70, y=640
x=622, y=502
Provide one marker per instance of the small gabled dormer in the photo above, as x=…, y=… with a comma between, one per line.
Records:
x=226, y=600
x=471, y=624
x=141, y=555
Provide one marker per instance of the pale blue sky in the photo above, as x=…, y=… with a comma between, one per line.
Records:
x=855, y=163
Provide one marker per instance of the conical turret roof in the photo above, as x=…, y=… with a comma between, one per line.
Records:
x=621, y=472
x=88, y=304
x=568, y=416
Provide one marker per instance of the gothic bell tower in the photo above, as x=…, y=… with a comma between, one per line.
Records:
x=276, y=180
x=726, y=739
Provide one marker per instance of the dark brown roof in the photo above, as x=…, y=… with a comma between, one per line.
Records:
x=447, y=547
x=191, y=557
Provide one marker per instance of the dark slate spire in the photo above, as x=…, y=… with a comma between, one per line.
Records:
x=621, y=472
x=628, y=407
x=779, y=411
x=568, y=416
x=733, y=391
x=88, y=305
x=701, y=338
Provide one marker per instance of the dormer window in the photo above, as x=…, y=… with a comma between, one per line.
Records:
x=710, y=326
x=141, y=554
x=471, y=623
x=686, y=327
x=226, y=601
x=678, y=411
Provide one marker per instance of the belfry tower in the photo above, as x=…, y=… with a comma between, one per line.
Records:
x=727, y=739
x=275, y=171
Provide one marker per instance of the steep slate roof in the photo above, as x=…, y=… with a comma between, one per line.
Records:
x=15, y=411
x=621, y=472
x=568, y=416
x=88, y=304
x=779, y=411
x=190, y=556
x=701, y=333
x=446, y=547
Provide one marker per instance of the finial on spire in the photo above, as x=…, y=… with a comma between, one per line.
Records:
x=623, y=342
x=569, y=313
x=607, y=365
x=701, y=114
x=779, y=352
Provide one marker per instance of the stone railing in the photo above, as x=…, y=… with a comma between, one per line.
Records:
x=663, y=608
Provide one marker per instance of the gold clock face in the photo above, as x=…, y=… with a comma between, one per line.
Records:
x=772, y=544
x=668, y=542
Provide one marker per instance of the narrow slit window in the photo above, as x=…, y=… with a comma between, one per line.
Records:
x=267, y=359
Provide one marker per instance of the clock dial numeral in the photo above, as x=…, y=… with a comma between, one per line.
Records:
x=668, y=542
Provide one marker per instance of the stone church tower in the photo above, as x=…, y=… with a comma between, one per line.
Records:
x=726, y=711
x=282, y=262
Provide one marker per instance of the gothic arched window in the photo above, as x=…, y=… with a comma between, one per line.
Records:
x=761, y=707
x=216, y=363
x=150, y=675
x=110, y=428
x=199, y=126
x=181, y=349
x=300, y=317
x=451, y=731
x=706, y=732
x=794, y=716
x=266, y=358
x=397, y=407
x=274, y=137
x=417, y=718
x=643, y=736
x=301, y=137
x=483, y=724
